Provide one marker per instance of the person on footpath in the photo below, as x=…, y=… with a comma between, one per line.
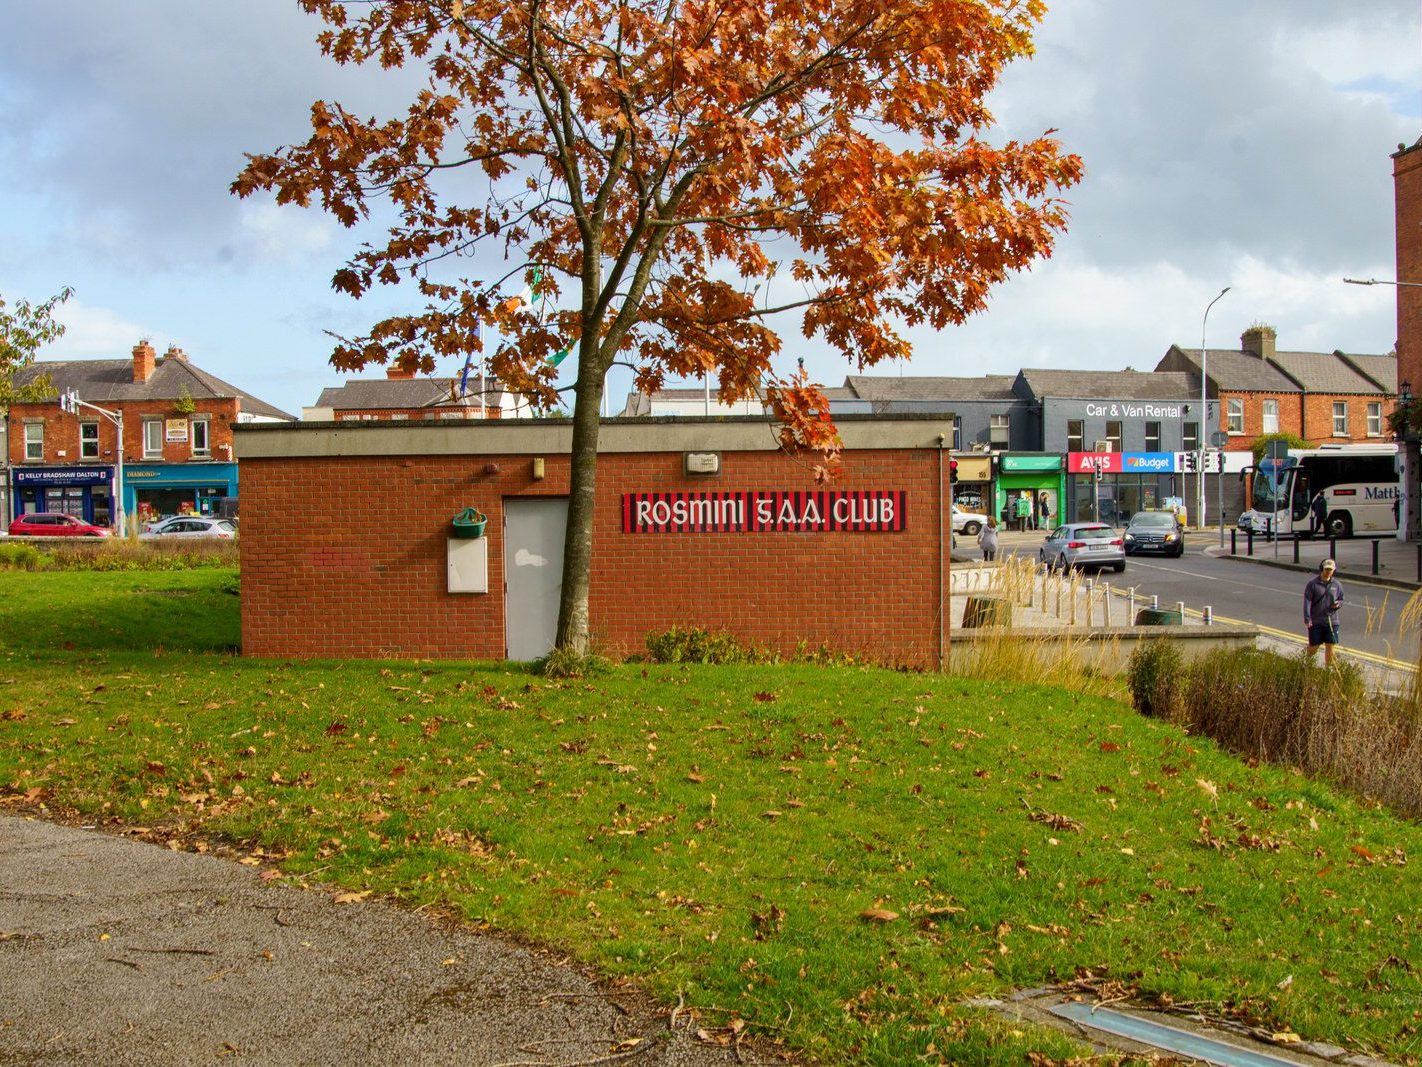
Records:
x=987, y=540
x=1024, y=511
x=1317, y=516
x=1323, y=596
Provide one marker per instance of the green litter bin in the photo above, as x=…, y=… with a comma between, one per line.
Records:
x=470, y=523
x=1159, y=617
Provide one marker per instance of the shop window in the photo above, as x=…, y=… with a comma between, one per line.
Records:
x=1113, y=435
x=999, y=430
x=1375, y=419
x=202, y=443
x=34, y=442
x=1271, y=416
x=1340, y=418
x=153, y=438
x=1152, y=437
x=1076, y=435
x=1234, y=415
x=88, y=440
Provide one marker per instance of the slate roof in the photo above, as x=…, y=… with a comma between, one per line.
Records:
x=101, y=381
x=1324, y=372
x=1379, y=369
x=369, y=394
x=1234, y=371
x=885, y=389
x=1126, y=384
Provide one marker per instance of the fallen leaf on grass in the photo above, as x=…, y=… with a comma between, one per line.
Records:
x=878, y=915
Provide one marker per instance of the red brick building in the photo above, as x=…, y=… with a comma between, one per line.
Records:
x=177, y=437
x=1322, y=397
x=1407, y=206
x=698, y=523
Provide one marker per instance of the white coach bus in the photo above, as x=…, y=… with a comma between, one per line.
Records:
x=1359, y=484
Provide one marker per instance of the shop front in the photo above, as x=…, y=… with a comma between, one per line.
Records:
x=153, y=490
x=1110, y=487
x=972, y=481
x=84, y=492
x=1030, y=482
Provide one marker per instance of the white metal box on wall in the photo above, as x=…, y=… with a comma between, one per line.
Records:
x=467, y=566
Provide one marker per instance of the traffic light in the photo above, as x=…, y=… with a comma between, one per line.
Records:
x=952, y=470
x=69, y=401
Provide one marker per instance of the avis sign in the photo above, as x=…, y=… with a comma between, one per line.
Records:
x=767, y=511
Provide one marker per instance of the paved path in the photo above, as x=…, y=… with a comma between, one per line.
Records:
x=114, y=952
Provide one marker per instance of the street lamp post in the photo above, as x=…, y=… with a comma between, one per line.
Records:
x=1204, y=408
x=71, y=403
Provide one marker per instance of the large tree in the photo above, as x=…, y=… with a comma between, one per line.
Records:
x=675, y=177
x=25, y=328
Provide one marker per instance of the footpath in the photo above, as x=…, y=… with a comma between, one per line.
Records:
x=115, y=952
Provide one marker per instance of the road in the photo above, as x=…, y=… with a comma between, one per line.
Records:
x=1271, y=598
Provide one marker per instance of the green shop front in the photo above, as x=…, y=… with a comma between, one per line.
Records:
x=1038, y=478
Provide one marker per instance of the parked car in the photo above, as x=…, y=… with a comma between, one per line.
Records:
x=1084, y=544
x=967, y=522
x=1155, y=531
x=54, y=524
x=190, y=526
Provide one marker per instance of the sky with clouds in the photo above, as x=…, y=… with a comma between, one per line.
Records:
x=1240, y=143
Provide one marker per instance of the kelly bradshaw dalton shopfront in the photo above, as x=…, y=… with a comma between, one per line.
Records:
x=149, y=490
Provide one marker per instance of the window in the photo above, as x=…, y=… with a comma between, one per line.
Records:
x=1113, y=435
x=957, y=433
x=1152, y=437
x=153, y=438
x=1340, y=418
x=1375, y=418
x=88, y=440
x=202, y=443
x=1234, y=415
x=1271, y=416
x=1191, y=434
x=998, y=430
x=34, y=441
x=1076, y=435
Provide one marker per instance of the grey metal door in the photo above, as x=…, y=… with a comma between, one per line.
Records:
x=533, y=573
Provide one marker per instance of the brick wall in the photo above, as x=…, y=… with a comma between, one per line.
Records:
x=1407, y=193
x=61, y=431
x=345, y=556
x=1309, y=415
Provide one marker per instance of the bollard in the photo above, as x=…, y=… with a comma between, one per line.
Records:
x=1180, y=609
x=1233, y=545
x=1106, y=605
x=1375, y=556
x=1296, y=548
x=1249, y=542
x=1090, y=589
x=1131, y=604
x=1333, y=547
x=1155, y=602
x=1209, y=615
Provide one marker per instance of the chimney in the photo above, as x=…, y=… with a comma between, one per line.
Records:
x=174, y=352
x=399, y=372
x=1258, y=341
x=144, y=359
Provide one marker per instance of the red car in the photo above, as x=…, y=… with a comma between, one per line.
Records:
x=50, y=524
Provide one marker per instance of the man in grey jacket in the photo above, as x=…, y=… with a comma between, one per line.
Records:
x=1323, y=596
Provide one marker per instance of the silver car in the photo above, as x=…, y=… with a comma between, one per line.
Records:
x=190, y=526
x=1083, y=544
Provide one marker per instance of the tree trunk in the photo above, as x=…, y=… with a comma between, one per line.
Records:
x=573, y=630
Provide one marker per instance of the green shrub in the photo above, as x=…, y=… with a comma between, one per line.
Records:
x=22, y=557
x=1155, y=674
x=701, y=646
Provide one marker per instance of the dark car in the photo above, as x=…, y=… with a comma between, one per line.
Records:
x=1155, y=531
x=53, y=524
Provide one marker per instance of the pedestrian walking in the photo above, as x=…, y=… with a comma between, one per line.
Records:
x=1044, y=512
x=1323, y=596
x=1317, y=515
x=987, y=540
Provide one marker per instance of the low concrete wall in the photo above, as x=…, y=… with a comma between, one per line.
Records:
x=1107, y=650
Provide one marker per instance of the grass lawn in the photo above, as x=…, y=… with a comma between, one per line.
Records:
x=838, y=857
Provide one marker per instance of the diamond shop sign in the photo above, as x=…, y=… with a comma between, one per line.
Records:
x=767, y=511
